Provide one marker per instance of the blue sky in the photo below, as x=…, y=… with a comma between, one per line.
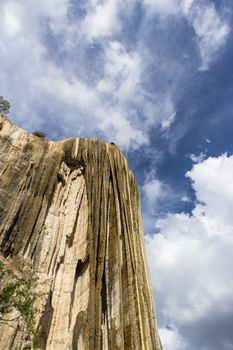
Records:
x=154, y=77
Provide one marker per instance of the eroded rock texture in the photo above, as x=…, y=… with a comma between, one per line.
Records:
x=71, y=210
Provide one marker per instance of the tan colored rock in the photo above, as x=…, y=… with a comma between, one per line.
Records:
x=71, y=209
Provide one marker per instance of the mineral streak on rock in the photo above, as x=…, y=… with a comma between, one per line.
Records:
x=71, y=209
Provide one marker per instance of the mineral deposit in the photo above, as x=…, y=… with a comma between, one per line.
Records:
x=71, y=211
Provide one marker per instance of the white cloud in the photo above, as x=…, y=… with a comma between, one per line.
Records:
x=52, y=56
x=191, y=258
x=42, y=82
x=213, y=184
x=11, y=22
x=186, y=5
x=102, y=19
x=122, y=72
x=166, y=122
x=95, y=111
x=152, y=190
x=119, y=101
x=164, y=7
x=185, y=199
x=27, y=15
x=197, y=158
x=210, y=28
x=171, y=340
x=107, y=107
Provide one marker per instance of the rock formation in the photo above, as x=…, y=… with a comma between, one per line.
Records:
x=71, y=210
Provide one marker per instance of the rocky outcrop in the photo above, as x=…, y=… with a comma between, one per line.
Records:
x=71, y=210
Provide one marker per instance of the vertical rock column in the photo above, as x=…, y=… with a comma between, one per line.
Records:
x=71, y=209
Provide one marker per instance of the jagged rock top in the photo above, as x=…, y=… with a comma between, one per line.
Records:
x=71, y=209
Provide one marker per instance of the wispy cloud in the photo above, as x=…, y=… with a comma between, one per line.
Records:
x=102, y=19
x=152, y=189
x=171, y=339
x=197, y=158
x=103, y=108
x=211, y=29
x=75, y=61
x=163, y=7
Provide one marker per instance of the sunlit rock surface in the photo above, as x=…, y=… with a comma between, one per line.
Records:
x=71, y=209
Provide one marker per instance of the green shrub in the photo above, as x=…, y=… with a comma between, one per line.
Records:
x=18, y=296
x=4, y=106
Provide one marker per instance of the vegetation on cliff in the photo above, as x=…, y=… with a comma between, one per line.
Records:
x=18, y=296
x=4, y=105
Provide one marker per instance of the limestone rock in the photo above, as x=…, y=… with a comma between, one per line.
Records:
x=71, y=210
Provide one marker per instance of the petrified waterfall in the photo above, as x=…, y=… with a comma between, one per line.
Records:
x=71, y=210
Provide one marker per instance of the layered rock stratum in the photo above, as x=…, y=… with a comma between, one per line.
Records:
x=71, y=211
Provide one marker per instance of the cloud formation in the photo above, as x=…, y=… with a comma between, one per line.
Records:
x=103, y=108
x=191, y=261
x=82, y=61
x=210, y=28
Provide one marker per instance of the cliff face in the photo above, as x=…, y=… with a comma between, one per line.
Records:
x=71, y=210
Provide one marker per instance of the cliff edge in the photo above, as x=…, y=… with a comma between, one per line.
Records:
x=71, y=210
